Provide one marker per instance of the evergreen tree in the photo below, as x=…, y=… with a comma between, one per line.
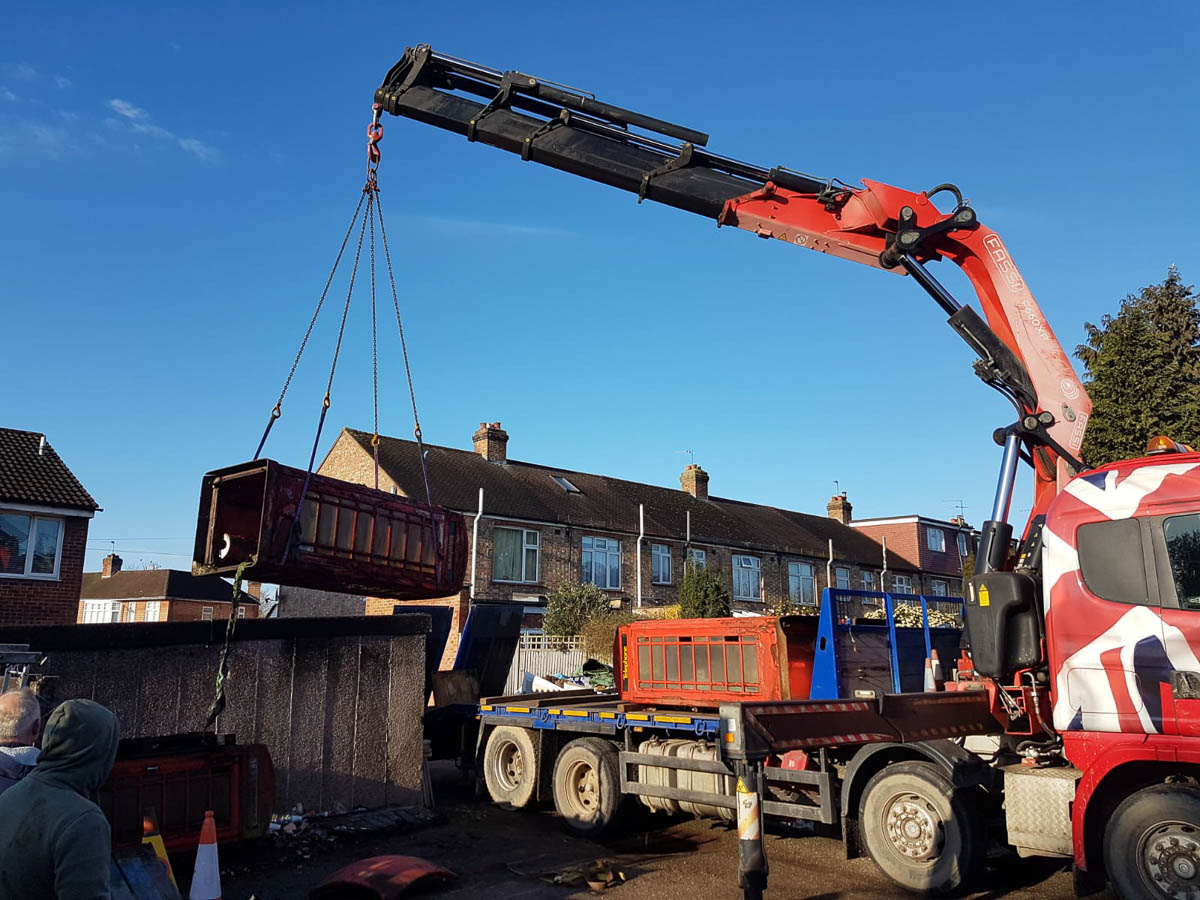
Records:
x=702, y=595
x=1143, y=371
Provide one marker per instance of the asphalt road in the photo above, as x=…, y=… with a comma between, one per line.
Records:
x=503, y=855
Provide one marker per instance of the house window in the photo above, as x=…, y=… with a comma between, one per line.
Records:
x=206, y=613
x=938, y=588
x=747, y=578
x=699, y=558
x=841, y=577
x=602, y=562
x=802, y=588
x=868, y=581
x=131, y=612
x=152, y=608
x=660, y=559
x=935, y=540
x=565, y=484
x=241, y=612
x=30, y=546
x=962, y=545
x=901, y=584
x=516, y=555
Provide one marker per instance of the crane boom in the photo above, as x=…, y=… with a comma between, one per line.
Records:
x=875, y=224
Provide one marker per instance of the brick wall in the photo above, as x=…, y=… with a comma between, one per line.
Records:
x=35, y=601
x=459, y=606
x=908, y=541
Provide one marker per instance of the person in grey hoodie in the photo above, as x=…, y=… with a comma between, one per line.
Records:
x=20, y=719
x=54, y=841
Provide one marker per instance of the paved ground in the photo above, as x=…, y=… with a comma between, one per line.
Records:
x=501, y=855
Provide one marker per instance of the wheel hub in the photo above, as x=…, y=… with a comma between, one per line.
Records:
x=586, y=787
x=912, y=827
x=1171, y=856
x=509, y=766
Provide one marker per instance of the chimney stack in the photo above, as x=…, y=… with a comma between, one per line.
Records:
x=839, y=508
x=111, y=566
x=254, y=589
x=491, y=442
x=694, y=480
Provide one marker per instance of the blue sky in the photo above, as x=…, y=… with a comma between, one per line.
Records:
x=175, y=181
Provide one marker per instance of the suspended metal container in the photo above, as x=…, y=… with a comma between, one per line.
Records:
x=348, y=537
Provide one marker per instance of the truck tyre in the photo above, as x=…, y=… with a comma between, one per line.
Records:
x=1152, y=843
x=510, y=766
x=920, y=831
x=587, y=786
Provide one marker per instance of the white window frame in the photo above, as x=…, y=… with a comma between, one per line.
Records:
x=152, y=606
x=32, y=542
x=660, y=558
x=698, y=557
x=939, y=588
x=206, y=614
x=841, y=578
x=131, y=611
x=901, y=584
x=963, y=545
x=930, y=543
x=867, y=579
x=241, y=613
x=748, y=564
x=802, y=581
x=609, y=548
x=536, y=546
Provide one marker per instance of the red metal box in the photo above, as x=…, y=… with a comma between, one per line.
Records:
x=348, y=537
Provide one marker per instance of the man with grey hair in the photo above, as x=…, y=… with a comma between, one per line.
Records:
x=20, y=721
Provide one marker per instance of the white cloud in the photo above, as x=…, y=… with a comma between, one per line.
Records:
x=20, y=138
x=6, y=94
x=139, y=121
x=22, y=71
x=62, y=81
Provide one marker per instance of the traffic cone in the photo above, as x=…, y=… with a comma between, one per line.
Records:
x=938, y=677
x=930, y=684
x=151, y=836
x=206, y=880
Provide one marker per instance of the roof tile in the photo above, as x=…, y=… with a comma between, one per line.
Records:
x=43, y=479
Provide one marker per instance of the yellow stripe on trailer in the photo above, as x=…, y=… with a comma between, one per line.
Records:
x=486, y=708
x=553, y=712
x=608, y=715
x=637, y=717
x=578, y=713
x=520, y=709
x=674, y=720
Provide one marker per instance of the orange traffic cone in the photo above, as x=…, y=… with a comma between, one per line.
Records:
x=151, y=836
x=930, y=684
x=938, y=677
x=206, y=880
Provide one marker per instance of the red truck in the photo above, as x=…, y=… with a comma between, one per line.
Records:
x=1083, y=651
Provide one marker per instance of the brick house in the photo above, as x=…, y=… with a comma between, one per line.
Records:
x=543, y=526
x=44, y=516
x=934, y=547
x=159, y=595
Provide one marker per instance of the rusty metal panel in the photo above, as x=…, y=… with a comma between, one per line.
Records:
x=347, y=537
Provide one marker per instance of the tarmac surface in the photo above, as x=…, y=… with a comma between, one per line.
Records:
x=499, y=854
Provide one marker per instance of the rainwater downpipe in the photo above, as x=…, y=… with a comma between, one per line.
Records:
x=641, y=534
x=829, y=567
x=475, y=542
x=883, y=574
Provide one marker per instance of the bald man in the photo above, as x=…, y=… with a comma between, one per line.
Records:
x=20, y=721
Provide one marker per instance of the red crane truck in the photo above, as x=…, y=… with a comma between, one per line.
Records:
x=1083, y=652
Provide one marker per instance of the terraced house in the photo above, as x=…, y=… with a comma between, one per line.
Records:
x=542, y=526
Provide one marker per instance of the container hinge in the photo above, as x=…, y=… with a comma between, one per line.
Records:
x=683, y=160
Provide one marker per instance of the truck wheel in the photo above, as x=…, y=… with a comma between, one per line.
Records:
x=510, y=766
x=587, y=786
x=1159, y=827
x=920, y=831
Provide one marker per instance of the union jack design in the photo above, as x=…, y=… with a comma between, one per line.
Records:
x=1112, y=661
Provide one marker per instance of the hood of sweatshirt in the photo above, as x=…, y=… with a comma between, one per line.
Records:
x=79, y=746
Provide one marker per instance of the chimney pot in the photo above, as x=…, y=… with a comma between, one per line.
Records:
x=110, y=566
x=694, y=481
x=491, y=442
